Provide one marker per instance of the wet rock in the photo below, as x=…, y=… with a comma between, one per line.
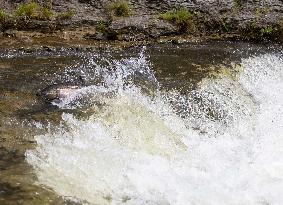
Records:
x=96, y=36
x=8, y=190
x=48, y=48
x=9, y=33
x=9, y=158
x=141, y=27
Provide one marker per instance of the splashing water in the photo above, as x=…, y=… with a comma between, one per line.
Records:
x=220, y=144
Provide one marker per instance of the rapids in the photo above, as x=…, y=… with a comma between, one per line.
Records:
x=219, y=143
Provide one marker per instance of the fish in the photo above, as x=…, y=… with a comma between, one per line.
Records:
x=58, y=92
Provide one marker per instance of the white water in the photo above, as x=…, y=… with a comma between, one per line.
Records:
x=136, y=149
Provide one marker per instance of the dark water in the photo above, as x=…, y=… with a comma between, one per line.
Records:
x=22, y=75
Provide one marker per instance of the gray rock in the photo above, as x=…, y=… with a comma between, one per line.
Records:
x=236, y=15
x=9, y=33
x=95, y=36
x=141, y=27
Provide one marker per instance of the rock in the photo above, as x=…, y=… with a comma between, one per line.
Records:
x=96, y=36
x=42, y=26
x=9, y=33
x=209, y=17
x=48, y=48
x=140, y=28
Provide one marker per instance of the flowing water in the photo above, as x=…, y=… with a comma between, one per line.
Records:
x=194, y=124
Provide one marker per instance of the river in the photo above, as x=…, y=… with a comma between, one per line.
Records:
x=188, y=124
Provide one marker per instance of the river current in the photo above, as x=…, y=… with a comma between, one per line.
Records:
x=197, y=124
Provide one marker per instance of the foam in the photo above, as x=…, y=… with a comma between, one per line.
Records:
x=140, y=149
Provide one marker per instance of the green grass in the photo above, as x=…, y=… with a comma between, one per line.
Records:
x=258, y=32
x=27, y=11
x=224, y=25
x=101, y=26
x=32, y=10
x=120, y=8
x=6, y=20
x=268, y=30
x=46, y=14
x=3, y=16
x=66, y=15
x=181, y=17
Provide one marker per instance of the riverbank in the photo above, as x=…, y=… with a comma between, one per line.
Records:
x=89, y=23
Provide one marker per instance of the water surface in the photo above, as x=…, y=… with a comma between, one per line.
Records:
x=188, y=124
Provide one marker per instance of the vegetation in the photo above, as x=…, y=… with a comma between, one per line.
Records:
x=268, y=30
x=238, y=4
x=181, y=17
x=3, y=16
x=120, y=8
x=32, y=10
x=225, y=26
x=255, y=31
x=280, y=25
x=261, y=11
x=46, y=14
x=66, y=15
x=26, y=11
x=6, y=20
x=102, y=26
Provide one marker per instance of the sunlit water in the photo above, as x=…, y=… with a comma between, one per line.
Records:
x=140, y=142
